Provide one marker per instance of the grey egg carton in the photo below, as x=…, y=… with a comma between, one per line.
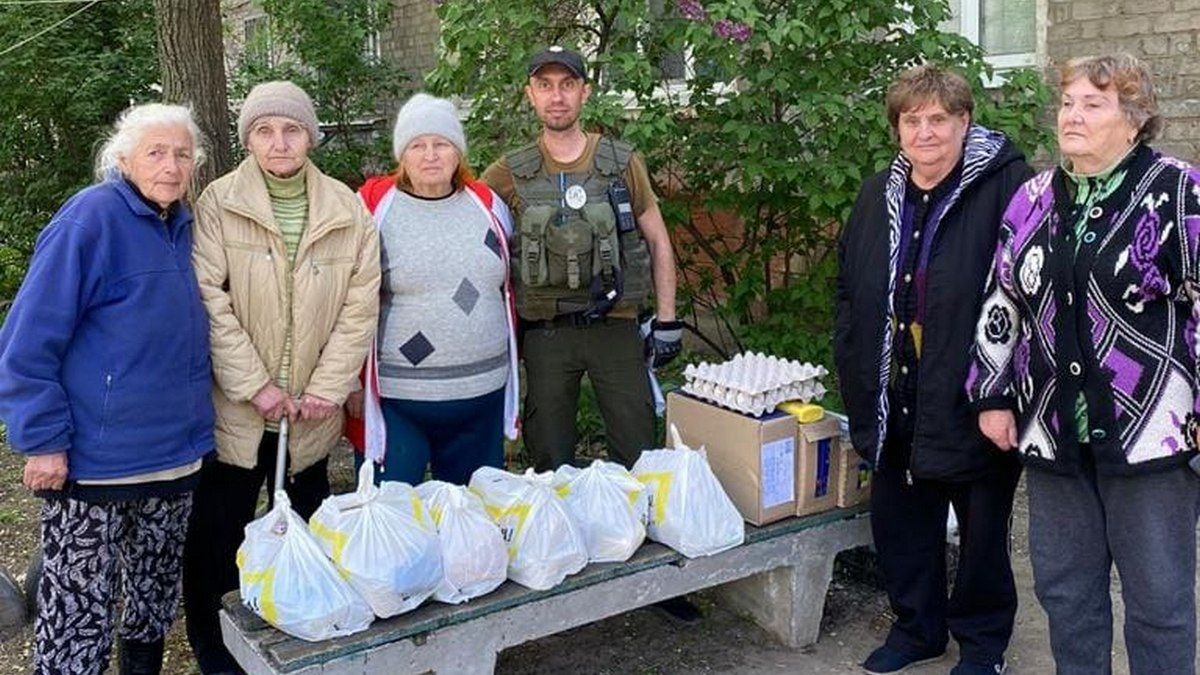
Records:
x=754, y=383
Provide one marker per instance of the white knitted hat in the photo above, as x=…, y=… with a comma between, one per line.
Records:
x=425, y=114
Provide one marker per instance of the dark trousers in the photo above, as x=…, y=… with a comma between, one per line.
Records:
x=1079, y=527
x=452, y=438
x=611, y=353
x=909, y=526
x=225, y=501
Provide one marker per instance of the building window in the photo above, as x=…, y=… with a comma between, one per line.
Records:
x=1005, y=29
x=672, y=64
x=257, y=40
x=372, y=48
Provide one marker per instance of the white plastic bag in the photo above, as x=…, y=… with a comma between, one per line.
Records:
x=689, y=510
x=285, y=578
x=382, y=542
x=474, y=557
x=544, y=543
x=608, y=504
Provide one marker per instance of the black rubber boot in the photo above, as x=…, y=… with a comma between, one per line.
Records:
x=141, y=658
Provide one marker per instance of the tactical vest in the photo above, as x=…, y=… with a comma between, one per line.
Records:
x=564, y=254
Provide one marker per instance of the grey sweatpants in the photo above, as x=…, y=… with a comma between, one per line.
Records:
x=1079, y=526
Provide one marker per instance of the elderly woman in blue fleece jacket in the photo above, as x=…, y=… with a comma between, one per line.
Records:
x=105, y=387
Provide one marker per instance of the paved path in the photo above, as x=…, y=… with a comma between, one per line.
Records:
x=645, y=641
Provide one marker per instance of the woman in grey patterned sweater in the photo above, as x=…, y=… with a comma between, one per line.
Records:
x=441, y=388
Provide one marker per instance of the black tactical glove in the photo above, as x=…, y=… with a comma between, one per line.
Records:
x=664, y=341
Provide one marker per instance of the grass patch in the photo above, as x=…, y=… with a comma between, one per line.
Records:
x=10, y=516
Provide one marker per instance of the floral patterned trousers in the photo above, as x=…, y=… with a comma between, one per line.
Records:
x=93, y=553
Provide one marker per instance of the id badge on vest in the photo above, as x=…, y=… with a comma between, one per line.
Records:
x=576, y=197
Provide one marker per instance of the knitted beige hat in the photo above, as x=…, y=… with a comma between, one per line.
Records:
x=278, y=98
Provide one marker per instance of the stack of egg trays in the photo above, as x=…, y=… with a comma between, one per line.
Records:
x=754, y=383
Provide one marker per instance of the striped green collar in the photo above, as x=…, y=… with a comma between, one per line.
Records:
x=286, y=188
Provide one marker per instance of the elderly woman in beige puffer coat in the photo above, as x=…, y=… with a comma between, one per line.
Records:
x=288, y=264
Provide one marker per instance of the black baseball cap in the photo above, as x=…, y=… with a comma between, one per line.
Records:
x=571, y=60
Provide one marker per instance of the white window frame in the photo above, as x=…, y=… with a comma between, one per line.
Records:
x=373, y=45
x=968, y=27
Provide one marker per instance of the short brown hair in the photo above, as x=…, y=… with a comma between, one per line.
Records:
x=928, y=83
x=1130, y=78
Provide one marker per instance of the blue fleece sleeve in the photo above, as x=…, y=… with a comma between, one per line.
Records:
x=61, y=282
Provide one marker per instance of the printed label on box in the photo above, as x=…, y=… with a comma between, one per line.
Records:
x=822, y=488
x=778, y=471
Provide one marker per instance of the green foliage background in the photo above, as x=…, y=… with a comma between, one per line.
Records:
x=758, y=153
x=776, y=127
x=61, y=92
x=59, y=95
x=321, y=46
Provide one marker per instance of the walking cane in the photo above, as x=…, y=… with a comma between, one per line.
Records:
x=281, y=455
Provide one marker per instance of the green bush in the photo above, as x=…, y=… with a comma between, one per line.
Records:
x=322, y=46
x=59, y=95
x=777, y=124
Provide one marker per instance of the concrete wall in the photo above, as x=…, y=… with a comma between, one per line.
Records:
x=234, y=14
x=1166, y=33
x=411, y=39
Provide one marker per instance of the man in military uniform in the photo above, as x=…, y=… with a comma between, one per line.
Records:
x=589, y=248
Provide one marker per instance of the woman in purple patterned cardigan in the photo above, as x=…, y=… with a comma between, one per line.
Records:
x=1085, y=362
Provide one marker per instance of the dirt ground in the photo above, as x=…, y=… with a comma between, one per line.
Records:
x=645, y=641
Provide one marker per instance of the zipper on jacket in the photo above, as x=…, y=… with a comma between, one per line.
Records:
x=108, y=378
x=163, y=218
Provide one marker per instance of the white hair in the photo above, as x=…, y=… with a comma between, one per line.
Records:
x=134, y=123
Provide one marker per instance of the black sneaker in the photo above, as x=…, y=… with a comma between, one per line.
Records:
x=886, y=660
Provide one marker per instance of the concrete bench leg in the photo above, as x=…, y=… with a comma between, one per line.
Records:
x=787, y=602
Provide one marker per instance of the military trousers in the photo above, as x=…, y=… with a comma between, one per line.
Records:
x=557, y=354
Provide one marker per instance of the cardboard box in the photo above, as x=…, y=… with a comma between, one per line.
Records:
x=754, y=458
x=854, y=477
x=816, y=466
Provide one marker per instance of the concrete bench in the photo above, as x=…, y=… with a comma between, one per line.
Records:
x=779, y=577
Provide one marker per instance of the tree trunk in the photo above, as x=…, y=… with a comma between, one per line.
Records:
x=192, y=58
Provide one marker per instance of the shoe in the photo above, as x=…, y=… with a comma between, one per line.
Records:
x=680, y=609
x=885, y=660
x=140, y=658
x=973, y=668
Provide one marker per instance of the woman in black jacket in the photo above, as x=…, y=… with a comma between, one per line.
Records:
x=913, y=260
